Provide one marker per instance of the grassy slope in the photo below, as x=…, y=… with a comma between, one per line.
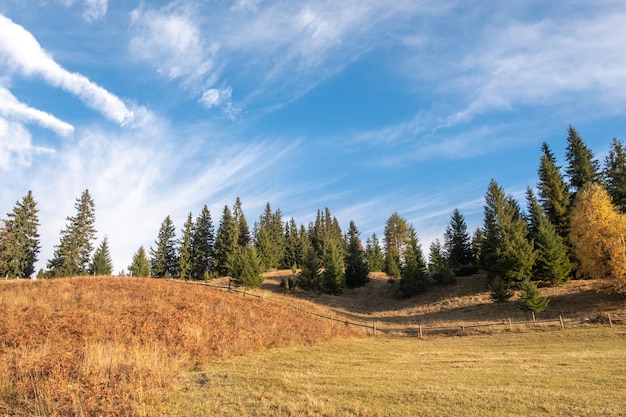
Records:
x=576, y=372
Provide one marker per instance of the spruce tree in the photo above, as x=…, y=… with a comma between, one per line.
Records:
x=334, y=278
x=374, y=254
x=357, y=269
x=242, y=224
x=478, y=239
x=293, y=245
x=530, y=298
x=552, y=263
x=5, y=252
x=413, y=272
x=203, y=245
x=270, y=238
x=140, y=266
x=185, y=251
x=21, y=245
x=581, y=165
x=614, y=174
x=553, y=192
x=226, y=242
x=310, y=277
x=438, y=265
x=72, y=255
x=101, y=263
x=245, y=267
x=457, y=243
x=163, y=262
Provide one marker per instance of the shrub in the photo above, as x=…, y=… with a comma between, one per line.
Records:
x=466, y=270
x=500, y=290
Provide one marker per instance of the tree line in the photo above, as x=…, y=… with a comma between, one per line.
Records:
x=572, y=225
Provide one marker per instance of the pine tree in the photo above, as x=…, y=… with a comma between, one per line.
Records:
x=270, y=239
x=226, y=242
x=163, y=262
x=477, y=244
x=530, y=298
x=553, y=192
x=334, y=278
x=245, y=267
x=72, y=255
x=357, y=269
x=457, y=242
x=310, y=277
x=582, y=167
x=21, y=244
x=185, y=251
x=397, y=238
x=203, y=245
x=5, y=252
x=101, y=263
x=326, y=231
x=413, y=273
x=140, y=266
x=614, y=174
x=293, y=245
x=242, y=224
x=552, y=263
x=374, y=254
x=438, y=265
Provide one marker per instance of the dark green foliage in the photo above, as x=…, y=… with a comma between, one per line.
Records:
x=530, y=298
x=19, y=243
x=245, y=267
x=332, y=262
x=413, y=272
x=506, y=250
x=270, y=239
x=72, y=255
x=310, y=277
x=615, y=174
x=581, y=165
x=457, y=242
x=392, y=265
x=287, y=284
x=242, y=224
x=325, y=231
x=477, y=245
x=466, y=270
x=374, y=254
x=397, y=235
x=203, y=245
x=436, y=258
x=140, y=266
x=552, y=263
x=185, y=252
x=553, y=192
x=101, y=263
x=163, y=260
x=500, y=290
x=357, y=269
x=293, y=244
x=226, y=242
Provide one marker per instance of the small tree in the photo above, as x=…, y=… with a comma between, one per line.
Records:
x=140, y=266
x=374, y=254
x=530, y=298
x=414, y=272
x=185, y=253
x=245, y=268
x=334, y=278
x=102, y=263
x=357, y=270
x=310, y=278
x=163, y=259
x=500, y=290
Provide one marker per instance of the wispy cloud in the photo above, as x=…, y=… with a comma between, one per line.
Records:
x=22, y=53
x=93, y=9
x=16, y=148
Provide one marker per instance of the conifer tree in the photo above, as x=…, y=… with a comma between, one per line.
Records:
x=552, y=263
x=101, y=263
x=581, y=165
x=270, y=238
x=21, y=239
x=357, y=269
x=185, y=251
x=615, y=174
x=374, y=254
x=203, y=245
x=140, y=266
x=436, y=258
x=163, y=262
x=457, y=243
x=242, y=224
x=530, y=298
x=293, y=245
x=310, y=277
x=553, y=192
x=333, y=264
x=245, y=267
x=477, y=244
x=413, y=272
x=72, y=255
x=397, y=238
x=5, y=252
x=226, y=242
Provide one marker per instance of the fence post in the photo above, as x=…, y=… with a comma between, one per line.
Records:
x=534, y=321
x=510, y=324
x=610, y=321
x=561, y=320
x=298, y=305
x=420, y=331
x=374, y=328
x=463, y=326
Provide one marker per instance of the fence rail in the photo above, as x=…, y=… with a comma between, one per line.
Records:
x=419, y=330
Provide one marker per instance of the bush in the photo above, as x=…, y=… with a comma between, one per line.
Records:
x=500, y=290
x=288, y=284
x=444, y=276
x=466, y=270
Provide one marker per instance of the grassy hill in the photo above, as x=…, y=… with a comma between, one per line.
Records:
x=132, y=346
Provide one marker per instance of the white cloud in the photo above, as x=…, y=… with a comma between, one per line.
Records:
x=23, y=53
x=11, y=107
x=16, y=149
x=245, y=5
x=214, y=97
x=95, y=9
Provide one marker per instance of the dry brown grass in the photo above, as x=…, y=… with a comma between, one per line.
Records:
x=114, y=346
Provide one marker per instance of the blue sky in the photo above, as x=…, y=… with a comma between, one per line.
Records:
x=362, y=106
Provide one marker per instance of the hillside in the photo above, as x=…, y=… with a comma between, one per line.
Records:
x=114, y=346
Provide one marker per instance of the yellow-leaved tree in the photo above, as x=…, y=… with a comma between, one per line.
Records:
x=598, y=236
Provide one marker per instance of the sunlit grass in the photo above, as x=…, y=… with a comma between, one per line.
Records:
x=576, y=372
